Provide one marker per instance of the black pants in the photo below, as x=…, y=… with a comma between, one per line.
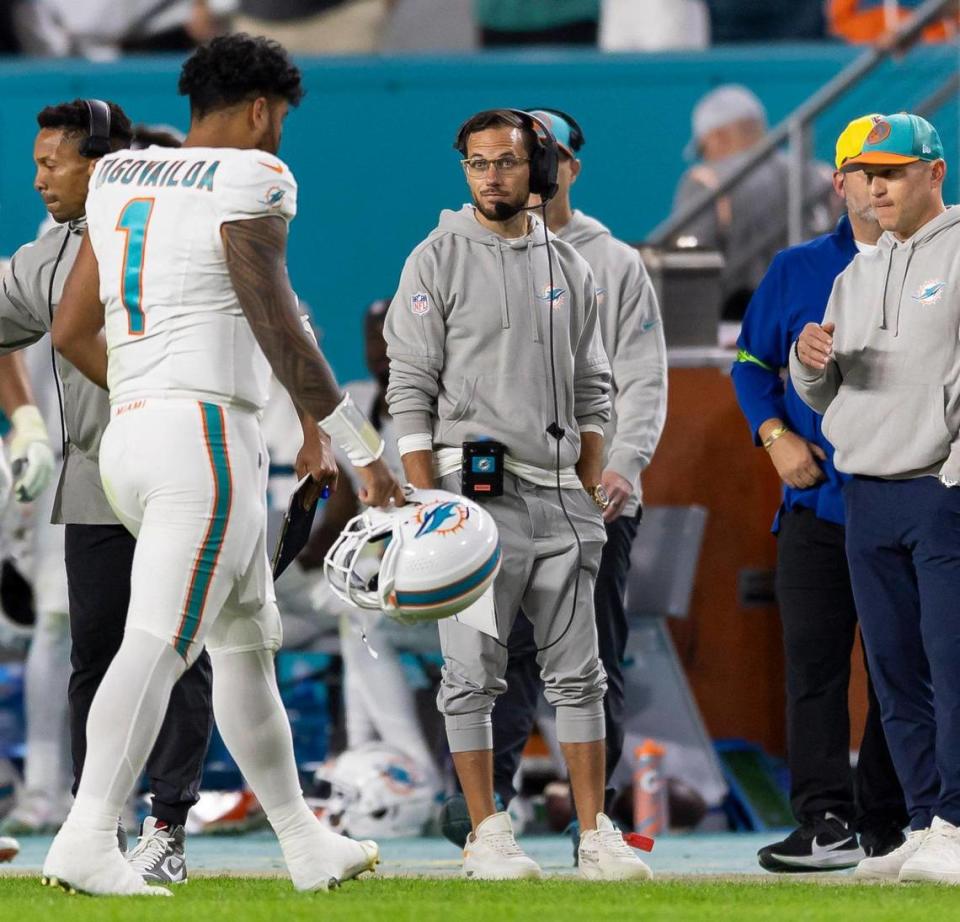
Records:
x=514, y=712
x=99, y=559
x=819, y=626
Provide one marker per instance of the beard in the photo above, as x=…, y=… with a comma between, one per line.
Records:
x=501, y=211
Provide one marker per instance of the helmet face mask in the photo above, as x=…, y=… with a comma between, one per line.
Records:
x=442, y=552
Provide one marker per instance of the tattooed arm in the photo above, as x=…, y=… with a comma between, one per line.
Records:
x=256, y=251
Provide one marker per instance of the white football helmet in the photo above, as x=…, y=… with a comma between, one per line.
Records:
x=374, y=792
x=442, y=551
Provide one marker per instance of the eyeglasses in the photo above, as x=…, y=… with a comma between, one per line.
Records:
x=477, y=166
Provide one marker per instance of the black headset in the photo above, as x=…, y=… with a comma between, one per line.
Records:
x=544, y=158
x=97, y=143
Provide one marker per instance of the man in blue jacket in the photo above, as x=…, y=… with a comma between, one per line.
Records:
x=813, y=582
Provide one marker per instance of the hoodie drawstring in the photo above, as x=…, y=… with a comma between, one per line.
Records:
x=532, y=298
x=504, y=310
x=903, y=282
x=886, y=282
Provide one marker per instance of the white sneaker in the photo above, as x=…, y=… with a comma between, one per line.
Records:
x=492, y=853
x=329, y=859
x=938, y=857
x=887, y=867
x=9, y=849
x=603, y=855
x=81, y=861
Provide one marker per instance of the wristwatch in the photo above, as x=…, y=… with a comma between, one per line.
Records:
x=599, y=495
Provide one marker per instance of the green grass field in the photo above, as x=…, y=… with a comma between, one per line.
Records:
x=222, y=899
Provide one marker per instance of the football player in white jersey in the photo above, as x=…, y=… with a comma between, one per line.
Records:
x=184, y=268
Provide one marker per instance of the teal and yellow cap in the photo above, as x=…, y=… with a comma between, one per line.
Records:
x=851, y=139
x=897, y=139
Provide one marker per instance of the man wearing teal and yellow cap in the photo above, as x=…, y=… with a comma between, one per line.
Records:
x=884, y=367
x=842, y=816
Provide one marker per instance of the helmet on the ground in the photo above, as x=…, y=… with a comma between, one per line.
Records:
x=374, y=792
x=441, y=552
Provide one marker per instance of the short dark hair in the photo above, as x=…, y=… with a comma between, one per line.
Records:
x=73, y=118
x=495, y=118
x=154, y=135
x=231, y=69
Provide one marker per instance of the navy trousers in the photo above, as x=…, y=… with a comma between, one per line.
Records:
x=903, y=547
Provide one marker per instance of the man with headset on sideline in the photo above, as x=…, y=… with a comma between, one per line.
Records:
x=99, y=550
x=496, y=359
x=632, y=335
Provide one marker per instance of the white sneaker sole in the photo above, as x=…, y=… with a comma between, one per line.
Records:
x=872, y=874
x=523, y=872
x=331, y=882
x=627, y=873
x=832, y=862
x=924, y=875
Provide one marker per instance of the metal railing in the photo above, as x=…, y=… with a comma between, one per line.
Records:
x=795, y=129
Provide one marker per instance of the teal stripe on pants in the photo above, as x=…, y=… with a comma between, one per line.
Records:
x=215, y=437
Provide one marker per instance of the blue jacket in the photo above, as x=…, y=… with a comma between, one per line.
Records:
x=793, y=293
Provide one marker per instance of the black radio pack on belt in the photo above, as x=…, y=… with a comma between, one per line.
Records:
x=482, y=469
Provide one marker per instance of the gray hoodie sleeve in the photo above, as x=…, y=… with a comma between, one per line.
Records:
x=591, y=369
x=22, y=302
x=639, y=363
x=415, y=332
x=818, y=388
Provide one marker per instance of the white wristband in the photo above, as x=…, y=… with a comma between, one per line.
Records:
x=353, y=432
x=416, y=441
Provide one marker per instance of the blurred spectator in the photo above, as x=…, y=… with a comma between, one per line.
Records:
x=748, y=224
x=867, y=21
x=537, y=22
x=316, y=26
x=9, y=43
x=419, y=25
x=103, y=30
x=654, y=25
x=767, y=21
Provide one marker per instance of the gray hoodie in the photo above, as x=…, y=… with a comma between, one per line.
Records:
x=25, y=316
x=468, y=339
x=632, y=334
x=891, y=396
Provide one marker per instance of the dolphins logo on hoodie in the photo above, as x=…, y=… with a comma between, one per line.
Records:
x=930, y=292
x=554, y=296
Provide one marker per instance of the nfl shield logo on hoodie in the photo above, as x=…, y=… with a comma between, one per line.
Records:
x=420, y=303
x=930, y=292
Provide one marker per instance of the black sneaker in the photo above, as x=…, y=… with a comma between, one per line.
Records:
x=878, y=841
x=826, y=844
x=455, y=819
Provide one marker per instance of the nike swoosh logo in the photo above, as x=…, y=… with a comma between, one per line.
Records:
x=271, y=166
x=817, y=849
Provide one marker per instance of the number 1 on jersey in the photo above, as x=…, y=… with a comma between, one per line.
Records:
x=133, y=223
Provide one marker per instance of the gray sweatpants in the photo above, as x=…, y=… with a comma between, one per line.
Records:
x=536, y=575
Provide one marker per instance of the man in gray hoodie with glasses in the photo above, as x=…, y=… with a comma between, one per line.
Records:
x=884, y=368
x=486, y=342
x=632, y=334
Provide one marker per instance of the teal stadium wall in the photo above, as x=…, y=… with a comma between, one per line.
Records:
x=370, y=146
